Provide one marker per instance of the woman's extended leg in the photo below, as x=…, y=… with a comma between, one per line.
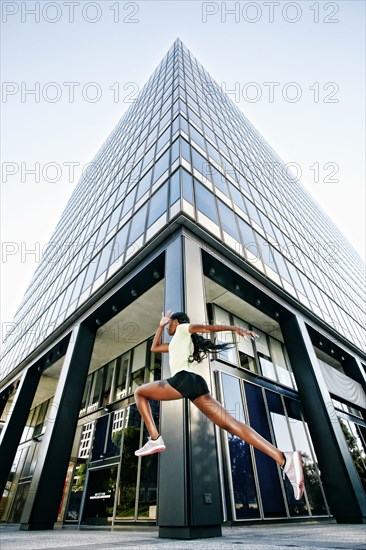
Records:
x=220, y=416
x=160, y=390
x=291, y=462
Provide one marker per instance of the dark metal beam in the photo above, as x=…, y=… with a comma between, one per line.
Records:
x=342, y=484
x=17, y=418
x=41, y=508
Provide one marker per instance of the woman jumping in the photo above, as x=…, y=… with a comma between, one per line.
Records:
x=185, y=347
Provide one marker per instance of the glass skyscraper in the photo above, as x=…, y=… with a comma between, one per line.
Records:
x=185, y=206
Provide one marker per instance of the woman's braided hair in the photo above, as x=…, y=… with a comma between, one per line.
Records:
x=201, y=346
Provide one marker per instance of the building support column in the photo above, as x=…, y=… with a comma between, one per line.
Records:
x=41, y=508
x=342, y=484
x=17, y=418
x=189, y=493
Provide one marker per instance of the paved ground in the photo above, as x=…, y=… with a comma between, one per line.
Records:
x=301, y=536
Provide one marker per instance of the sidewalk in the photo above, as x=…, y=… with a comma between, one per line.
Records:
x=301, y=536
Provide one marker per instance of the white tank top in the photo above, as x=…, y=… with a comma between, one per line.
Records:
x=180, y=348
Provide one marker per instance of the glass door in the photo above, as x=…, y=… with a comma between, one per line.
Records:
x=99, y=501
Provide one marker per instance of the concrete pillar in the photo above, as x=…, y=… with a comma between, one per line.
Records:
x=172, y=478
x=189, y=495
x=41, y=508
x=205, y=490
x=342, y=484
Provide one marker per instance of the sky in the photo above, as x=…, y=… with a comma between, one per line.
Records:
x=70, y=70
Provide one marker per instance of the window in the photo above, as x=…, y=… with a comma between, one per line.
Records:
x=279, y=361
x=187, y=185
x=89, y=274
x=228, y=220
x=247, y=235
x=183, y=124
x=119, y=244
x=175, y=150
x=148, y=157
x=197, y=137
x=214, y=154
x=281, y=265
x=237, y=197
x=253, y=213
x=199, y=162
x=217, y=178
x=185, y=150
x=161, y=166
x=243, y=479
x=245, y=347
x=174, y=187
x=272, y=497
x=96, y=391
x=121, y=375
x=138, y=366
x=163, y=139
x=138, y=224
x=114, y=219
x=295, y=277
x=144, y=185
x=158, y=204
x=205, y=202
x=77, y=287
x=222, y=317
x=104, y=259
x=128, y=202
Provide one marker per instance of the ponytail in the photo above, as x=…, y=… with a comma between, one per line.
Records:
x=201, y=346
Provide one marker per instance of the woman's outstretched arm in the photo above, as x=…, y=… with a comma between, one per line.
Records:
x=222, y=328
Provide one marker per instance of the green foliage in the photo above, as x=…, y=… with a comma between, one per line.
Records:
x=80, y=474
x=355, y=452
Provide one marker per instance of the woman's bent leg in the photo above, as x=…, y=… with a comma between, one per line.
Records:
x=160, y=390
x=220, y=416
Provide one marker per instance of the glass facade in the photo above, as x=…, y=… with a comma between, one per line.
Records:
x=184, y=146
x=279, y=419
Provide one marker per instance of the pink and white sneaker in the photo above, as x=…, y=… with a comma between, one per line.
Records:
x=294, y=471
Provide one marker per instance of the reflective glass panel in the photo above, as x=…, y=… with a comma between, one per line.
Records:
x=271, y=491
x=311, y=470
x=245, y=496
x=205, y=202
x=158, y=204
x=126, y=495
x=283, y=442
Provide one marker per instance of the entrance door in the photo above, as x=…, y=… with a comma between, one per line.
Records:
x=98, y=509
x=19, y=502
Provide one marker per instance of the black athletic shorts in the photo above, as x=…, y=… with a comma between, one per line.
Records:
x=189, y=384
